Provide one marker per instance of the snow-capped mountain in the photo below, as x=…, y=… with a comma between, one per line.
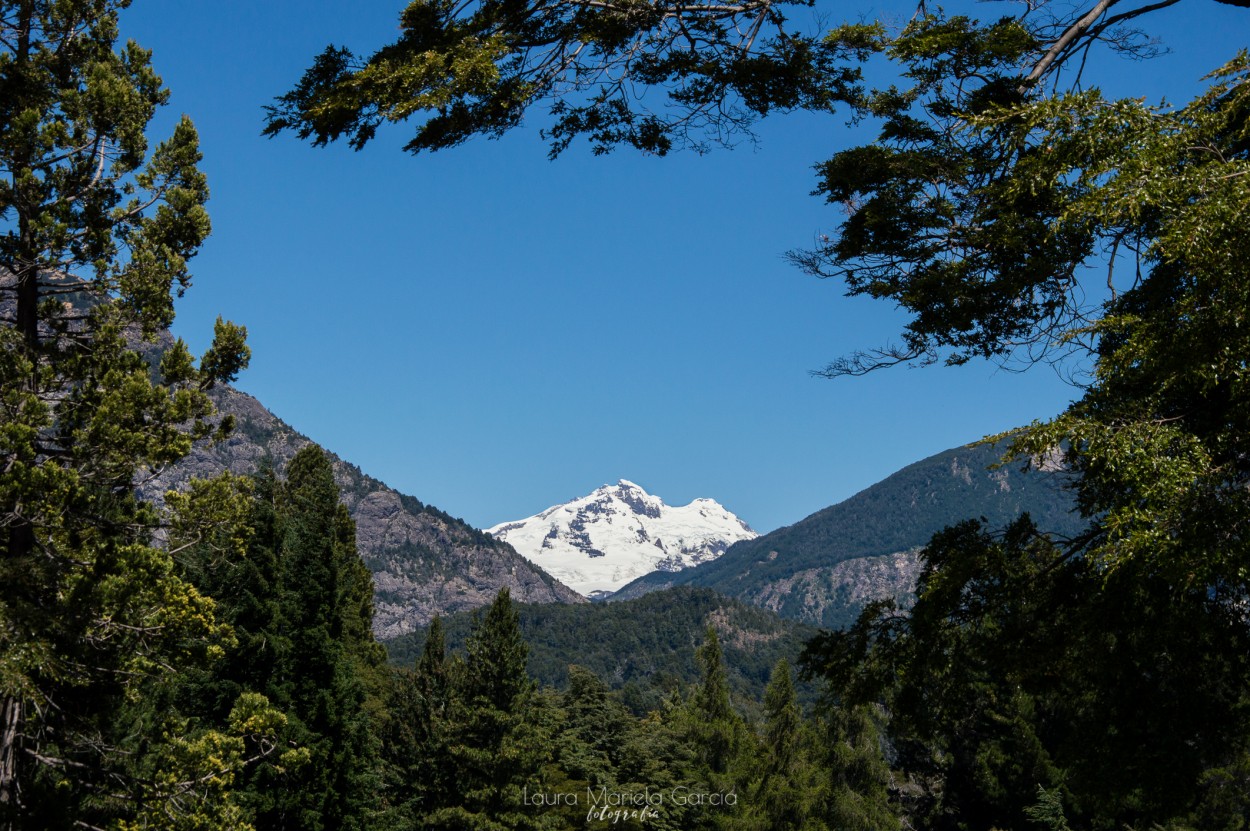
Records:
x=600, y=542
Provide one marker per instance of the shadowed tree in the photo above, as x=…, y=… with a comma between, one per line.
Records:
x=496, y=743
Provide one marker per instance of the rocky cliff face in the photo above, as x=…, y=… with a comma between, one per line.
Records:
x=424, y=562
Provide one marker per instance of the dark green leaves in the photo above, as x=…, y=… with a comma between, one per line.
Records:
x=477, y=70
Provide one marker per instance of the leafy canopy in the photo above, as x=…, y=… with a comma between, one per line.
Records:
x=475, y=68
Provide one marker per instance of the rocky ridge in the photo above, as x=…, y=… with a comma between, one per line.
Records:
x=825, y=568
x=424, y=562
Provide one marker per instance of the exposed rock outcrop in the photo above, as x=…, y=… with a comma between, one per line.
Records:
x=424, y=561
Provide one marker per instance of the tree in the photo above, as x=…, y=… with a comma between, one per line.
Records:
x=982, y=217
x=301, y=639
x=595, y=726
x=96, y=237
x=1018, y=668
x=719, y=728
x=858, y=797
x=785, y=793
x=416, y=734
x=496, y=745
x=476, y=68
x=321, y=678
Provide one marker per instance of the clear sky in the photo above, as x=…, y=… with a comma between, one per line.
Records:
x=495, y=333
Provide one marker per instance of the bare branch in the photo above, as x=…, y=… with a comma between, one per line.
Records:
x=1072, y=33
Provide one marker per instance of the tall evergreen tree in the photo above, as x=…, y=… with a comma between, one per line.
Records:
x=245, y=587
x=596, y=724
x=858, y=794
x=302, y=637
x=96, y=237
x=718, y=727
x=318, y=681
x=789, y=792
x=783, y=790
x=416, y=733
x=497, y=744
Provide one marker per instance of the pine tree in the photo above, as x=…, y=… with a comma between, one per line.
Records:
x=595, y=725
x=416, y=732
x=300, y=604
x=245, y=587
x=97, y=234
x=783, y=725
x=497, y=746
x=858, y=797
x=319, y=681
x=431, y=668
x=719, y=729
x=789, y=791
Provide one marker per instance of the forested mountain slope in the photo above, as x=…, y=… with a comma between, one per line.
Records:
x=644, y=647
x=824, y=568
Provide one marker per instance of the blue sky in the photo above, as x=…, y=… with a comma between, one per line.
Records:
x=495, y=333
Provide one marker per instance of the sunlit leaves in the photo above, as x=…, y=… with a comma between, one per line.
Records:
x=649, y=74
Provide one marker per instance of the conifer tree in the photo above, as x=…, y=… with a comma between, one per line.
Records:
x=858, y=794
x=497, y=745
x=318, y=682
x=432, y=668
x=419, y=770
x=299, y=602
x=96, y=237
x=789, y=792
x=718, y=728
x=246, y=595
x=596, y=724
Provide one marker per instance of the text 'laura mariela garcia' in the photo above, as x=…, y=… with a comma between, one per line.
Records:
x=604, y=804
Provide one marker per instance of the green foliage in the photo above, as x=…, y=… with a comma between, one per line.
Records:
x=495, y=742
x=477, y=69
x=1048, y=812
x=980, y=212
x=645, y=647
x=1158, y=437
x=859, y=793
x=322, y=677
x=299, y=602
x=414, y=735
x=97, y=235
x=718, y=728
x=930, y=225
x=1016, y=668
x=783, y=791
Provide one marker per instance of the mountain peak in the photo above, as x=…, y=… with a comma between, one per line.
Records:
x=599, y=542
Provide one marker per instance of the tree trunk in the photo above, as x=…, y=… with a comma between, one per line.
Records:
x=10, y=722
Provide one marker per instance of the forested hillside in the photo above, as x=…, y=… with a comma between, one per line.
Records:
x=644, y=648
x=824, y=569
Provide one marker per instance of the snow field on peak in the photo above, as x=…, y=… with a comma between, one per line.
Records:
x=599, y=542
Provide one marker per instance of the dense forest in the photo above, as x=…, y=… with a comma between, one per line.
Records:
x=208, y=663
x=644, y=648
